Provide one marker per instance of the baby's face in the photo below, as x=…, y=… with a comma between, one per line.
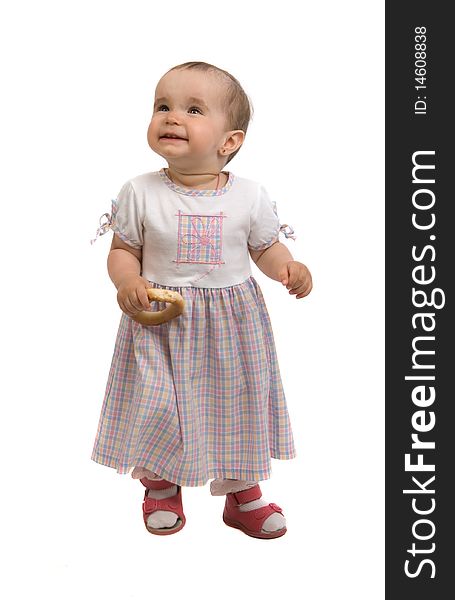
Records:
x=188, y=106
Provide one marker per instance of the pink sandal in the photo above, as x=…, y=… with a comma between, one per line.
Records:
x=250, y=521
x=172, y=504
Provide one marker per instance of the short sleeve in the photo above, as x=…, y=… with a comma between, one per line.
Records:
x=127, y=217
x=264, y=222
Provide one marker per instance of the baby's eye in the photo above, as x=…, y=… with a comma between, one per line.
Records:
x=162, y=107
x=195, y=108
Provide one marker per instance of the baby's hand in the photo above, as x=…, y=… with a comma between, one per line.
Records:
x=297, y=278
x=131, y=295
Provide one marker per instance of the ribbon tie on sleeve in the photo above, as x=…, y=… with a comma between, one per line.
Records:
x=288, y=231
x=104, y=226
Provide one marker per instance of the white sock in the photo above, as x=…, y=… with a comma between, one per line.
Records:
x=272, y=523
x=162, y=518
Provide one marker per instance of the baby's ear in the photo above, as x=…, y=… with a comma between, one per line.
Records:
x=233, y=141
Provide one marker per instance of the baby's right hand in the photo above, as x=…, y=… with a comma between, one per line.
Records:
x=131, y=295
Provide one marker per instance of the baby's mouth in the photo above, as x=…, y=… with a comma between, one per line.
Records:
x=173, y=138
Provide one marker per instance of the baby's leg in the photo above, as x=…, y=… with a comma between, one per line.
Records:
x=220, y=487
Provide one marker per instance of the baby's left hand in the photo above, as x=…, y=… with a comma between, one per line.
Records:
x=297, y=278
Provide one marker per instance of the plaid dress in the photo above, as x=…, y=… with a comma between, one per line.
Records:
x=199, y=397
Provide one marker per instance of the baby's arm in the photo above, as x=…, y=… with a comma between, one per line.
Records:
x=277, y=263
x=271, y=260
x=124, y=268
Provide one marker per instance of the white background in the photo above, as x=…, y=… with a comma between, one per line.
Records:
x=78, y=81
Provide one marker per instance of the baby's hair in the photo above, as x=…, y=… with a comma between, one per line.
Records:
x=236, y=103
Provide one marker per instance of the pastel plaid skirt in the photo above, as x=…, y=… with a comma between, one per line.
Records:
x=199, y=397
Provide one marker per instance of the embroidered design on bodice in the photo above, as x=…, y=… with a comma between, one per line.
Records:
x=200, y=238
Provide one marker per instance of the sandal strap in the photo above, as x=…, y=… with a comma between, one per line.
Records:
x=250, y=520
x=172, y=504
x=249, y=495
x=257, y=516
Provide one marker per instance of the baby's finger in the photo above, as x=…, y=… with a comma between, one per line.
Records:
x=143, y=299
x=302, y=295
x=295, y=290
x=300, y=287
x=129, y=308
x=305, y=291
x=136, y=302
x=293, y=276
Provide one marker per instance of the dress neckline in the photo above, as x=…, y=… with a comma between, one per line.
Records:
x=194, y=192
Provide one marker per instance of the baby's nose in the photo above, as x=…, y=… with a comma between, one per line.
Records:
x=172, y=117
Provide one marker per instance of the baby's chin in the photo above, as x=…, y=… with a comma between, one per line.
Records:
x=164, y=153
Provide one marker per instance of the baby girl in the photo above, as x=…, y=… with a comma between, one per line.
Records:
x=199, y=397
